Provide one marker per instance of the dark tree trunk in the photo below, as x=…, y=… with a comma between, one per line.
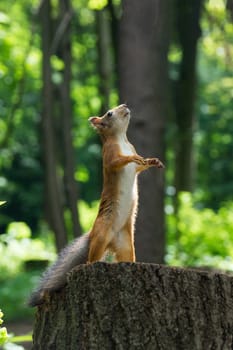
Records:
x=144, y=38
x=70, y=184
x=105, y=57
x=114, y=21
x=188, y=17
x=53, y=200
x=229, y=6
x=138, y=306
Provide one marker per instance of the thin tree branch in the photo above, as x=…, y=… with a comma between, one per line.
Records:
x=62, y=27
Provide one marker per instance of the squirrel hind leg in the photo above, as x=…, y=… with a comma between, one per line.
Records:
x=126, y=254
x=99, y=245
x=97, y=249
x=124, y=246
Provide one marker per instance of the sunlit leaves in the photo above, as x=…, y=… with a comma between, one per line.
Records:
x=3, y=330
x=4, y=19
x=82, y=174
x=97, y=4
x=215, y=103
x=217, y=31
x=19, y=230
x=216, y=6
x=203, y=237
x=16, y=246
x=87, y=214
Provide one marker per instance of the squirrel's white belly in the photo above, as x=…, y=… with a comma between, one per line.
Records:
x=127, y=190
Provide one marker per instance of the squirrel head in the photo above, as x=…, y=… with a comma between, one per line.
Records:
x=113, y=122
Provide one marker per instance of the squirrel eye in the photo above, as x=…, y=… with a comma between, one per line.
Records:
x=109, y=114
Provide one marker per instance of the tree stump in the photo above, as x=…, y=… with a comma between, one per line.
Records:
x=137, y=306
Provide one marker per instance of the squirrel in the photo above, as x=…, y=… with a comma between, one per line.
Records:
x=113, y=229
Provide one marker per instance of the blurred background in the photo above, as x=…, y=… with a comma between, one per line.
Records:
x=63, y=61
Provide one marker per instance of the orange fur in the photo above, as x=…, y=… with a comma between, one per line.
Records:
x=108, y=232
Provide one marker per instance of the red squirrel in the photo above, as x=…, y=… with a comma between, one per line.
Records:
x=113, y=229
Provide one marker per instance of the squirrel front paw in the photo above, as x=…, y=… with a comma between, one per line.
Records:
x=155, y=162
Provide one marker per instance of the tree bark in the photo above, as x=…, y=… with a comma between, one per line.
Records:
x=137, y=306
x=143, y=47
x=53, y=200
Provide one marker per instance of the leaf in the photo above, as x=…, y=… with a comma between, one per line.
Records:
x=97, y=4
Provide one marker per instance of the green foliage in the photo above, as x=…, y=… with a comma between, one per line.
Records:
x=14, y=293
x=7, y=341
x=17, y=249
x=213, y=132
x=200, y=237
x=97, y=4
x=21, y=180
x=213, y=138
x=3, y=330
x=88, y=214
x=19, y=105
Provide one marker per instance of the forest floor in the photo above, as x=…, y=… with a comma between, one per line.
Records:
x=19, y=328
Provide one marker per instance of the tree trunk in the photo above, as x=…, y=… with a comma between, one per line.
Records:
x=114, y=21
x=144, y=38
x=104, y=57
x=54, y=207
x=229, y=7
x=70, y=184
x=188, y=16
x=137, y=306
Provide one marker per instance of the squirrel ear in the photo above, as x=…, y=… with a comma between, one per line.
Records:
x=92, y=119
x=95, y=121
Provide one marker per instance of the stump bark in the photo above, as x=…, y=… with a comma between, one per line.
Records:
x=137, y=306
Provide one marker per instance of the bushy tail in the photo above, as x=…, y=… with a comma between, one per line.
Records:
x=54, y=277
